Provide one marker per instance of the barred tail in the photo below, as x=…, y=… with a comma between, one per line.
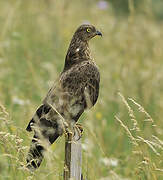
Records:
x=35, y=154
x=36, y=151
x=46, y=131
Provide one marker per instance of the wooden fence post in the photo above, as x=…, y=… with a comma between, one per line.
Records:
x=73, y=157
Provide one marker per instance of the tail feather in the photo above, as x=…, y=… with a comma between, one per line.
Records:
x=37, y=149
x=45, y=133
x=28, y=128
x=35, y=154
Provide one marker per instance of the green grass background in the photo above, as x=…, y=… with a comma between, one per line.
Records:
x=34, y=37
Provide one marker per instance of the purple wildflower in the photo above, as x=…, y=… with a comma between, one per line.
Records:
x=102, y=5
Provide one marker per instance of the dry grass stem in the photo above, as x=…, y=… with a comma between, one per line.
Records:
x=141, y=109
x=158, y=140
x=133, y=140
x=131, y=113
x=4, y=110
x=149, y=144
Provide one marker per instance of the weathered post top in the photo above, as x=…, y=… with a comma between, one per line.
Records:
x=73, y=157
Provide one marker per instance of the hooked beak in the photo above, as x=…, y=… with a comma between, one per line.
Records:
x=98, y=33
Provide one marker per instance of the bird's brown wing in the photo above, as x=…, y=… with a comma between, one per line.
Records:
x=82, y=81
x=92, y=86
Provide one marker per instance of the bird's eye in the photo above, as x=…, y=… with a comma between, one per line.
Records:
x=88, y=30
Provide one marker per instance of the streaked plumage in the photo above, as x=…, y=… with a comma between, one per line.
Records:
x=76, y=90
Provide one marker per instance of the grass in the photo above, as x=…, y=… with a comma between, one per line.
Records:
x=123, y=137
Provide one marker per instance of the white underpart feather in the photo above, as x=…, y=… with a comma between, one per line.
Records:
x=77, y=50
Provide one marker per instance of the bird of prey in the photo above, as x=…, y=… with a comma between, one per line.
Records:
x=77, y=89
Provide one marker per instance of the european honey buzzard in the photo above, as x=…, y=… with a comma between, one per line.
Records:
x=76, y=90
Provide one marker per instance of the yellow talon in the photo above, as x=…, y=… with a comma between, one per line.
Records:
x=79, y=129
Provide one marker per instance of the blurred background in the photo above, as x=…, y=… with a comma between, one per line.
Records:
x=34, y=37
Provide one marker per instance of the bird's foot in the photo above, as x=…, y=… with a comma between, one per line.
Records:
x=68, y=133
x=76, y=133
x=78, y=128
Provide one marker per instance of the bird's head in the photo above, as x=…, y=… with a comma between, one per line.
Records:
x=86, y=32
